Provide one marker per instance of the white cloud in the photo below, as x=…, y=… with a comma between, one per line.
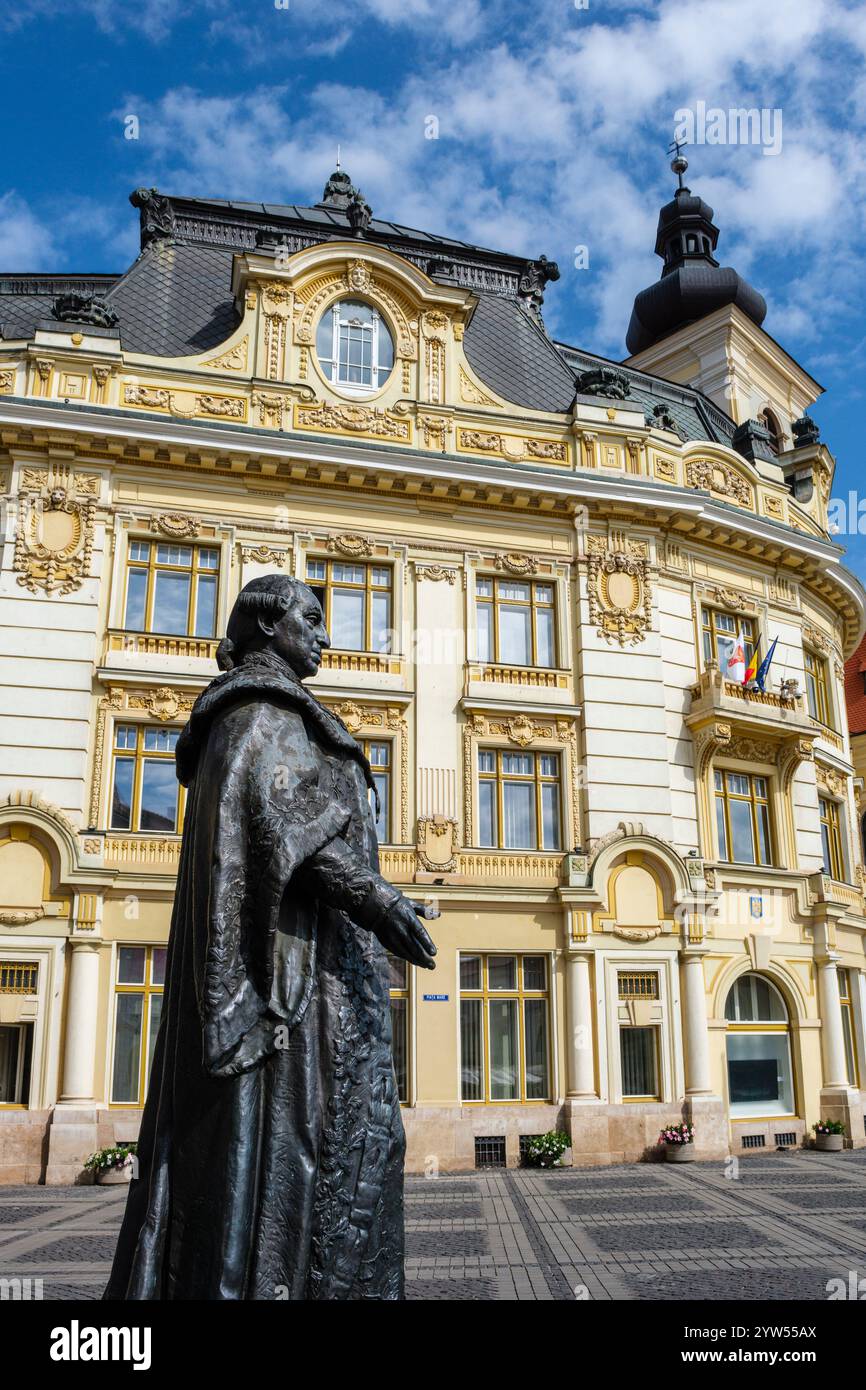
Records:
x=26, y=243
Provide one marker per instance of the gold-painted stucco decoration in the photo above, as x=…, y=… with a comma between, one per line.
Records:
x=619, y=589
x=434, y=328
x=348, y=543
x=359, y=277
x=270, y=407
x=234, y=359
x=436, y=844
x=185, y=404
x=162, y=704
x=54, y=530
x=472, y=394
x=720, y=478
x=715, y=738
x=830, y=780
x=264, y=555
x=435, y=430
x=227, y=407
x=732, y=598
x=7, y=381
x=436, y=573
x=516, y=563
x=374, y=422
x=516, y=450
x=175, y=524
x=362, y=718
x=317, y=294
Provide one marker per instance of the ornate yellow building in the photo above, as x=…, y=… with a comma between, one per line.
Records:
x=533, y=563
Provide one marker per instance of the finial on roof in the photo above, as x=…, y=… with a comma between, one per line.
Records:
x=341, y=195
x=679, y=163
x=338, y=159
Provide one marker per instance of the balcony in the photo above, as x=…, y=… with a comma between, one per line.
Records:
x=766, y=713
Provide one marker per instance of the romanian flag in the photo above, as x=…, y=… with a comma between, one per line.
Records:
x=752, y=668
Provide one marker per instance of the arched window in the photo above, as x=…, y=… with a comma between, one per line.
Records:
x=354, y=347
x=771, y=424
x=760, y=1076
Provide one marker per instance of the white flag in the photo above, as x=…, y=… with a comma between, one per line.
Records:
x=734, y=669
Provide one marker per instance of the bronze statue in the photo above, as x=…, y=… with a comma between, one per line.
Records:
x=271, y=1148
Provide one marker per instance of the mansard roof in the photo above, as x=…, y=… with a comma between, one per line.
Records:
x=176, y=300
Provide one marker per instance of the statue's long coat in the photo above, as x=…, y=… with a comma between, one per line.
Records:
x=271, y=1147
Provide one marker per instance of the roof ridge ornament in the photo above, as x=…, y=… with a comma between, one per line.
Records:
x=535, y=278
x=156, y=215
x=90, y=309
x=341, y=195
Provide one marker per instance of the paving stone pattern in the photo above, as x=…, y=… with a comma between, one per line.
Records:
x=780, y=1230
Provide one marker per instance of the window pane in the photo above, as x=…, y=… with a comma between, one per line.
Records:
x=487, y=836
x=763, y=817
x=398, y=972
x=155, y=1010
x=383, y=820
x=121, y=794
x=534, y=972
x=381, y=635
x=157, y=965
x=502, y=972
x=347, y=620
x=400, y=1045
x=486, y=760
x=485, y=631
x=136, y=597
x=535, y=1028
x=174, y=555
x=471, y=1050
x=170, y=602
x=639, y=1073
x=550, y=815
x=315, y=569
x=159, y=788
x=544, y=637
x=741, y=832
x=515, y=643
x=205, y=607
x=759, y=1074
x=130, y=965
x=504, y=1066
x=127, y=1048
x=208, y=559
x=721, y=827
x=849, y=1046
x=470, y=972
x=518, y=815
x=160, y=740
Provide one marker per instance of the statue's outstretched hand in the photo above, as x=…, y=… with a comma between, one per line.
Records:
x=402, y=932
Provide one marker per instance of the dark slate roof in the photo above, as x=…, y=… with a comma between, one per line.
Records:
x=175, y=300
x=508, y=350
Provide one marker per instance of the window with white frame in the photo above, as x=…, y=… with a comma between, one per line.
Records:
x=760, y=1075
x=354, y=346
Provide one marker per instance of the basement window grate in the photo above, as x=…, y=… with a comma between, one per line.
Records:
x=754, y=1141
x=786, y=1140
x=490, y=1151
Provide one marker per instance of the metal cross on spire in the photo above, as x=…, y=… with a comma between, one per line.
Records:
x=679, y=163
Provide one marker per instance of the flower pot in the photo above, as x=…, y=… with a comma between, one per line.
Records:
x=830, y=1143
x=107, y=1177
x=679, y=1153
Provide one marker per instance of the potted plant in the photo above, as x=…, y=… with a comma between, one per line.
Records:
x=546, y=1150
x=113, y=1165
x=679, y=1143
x=829, y=1135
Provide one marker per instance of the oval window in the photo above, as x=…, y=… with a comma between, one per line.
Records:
x=354, y=347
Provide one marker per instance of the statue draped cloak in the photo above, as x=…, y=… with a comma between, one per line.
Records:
x=271, y=1147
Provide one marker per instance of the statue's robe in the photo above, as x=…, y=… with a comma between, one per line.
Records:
x=271, y=1147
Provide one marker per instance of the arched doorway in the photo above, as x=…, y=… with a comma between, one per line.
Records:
x=760, y=1073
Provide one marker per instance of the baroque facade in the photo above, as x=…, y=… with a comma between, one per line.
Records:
x=532, y=561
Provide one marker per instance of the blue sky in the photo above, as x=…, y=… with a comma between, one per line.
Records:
x=553, y=122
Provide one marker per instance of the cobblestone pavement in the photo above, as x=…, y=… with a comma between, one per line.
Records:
x=781, y=1229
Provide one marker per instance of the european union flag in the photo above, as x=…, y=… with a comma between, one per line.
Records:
x=761, y=674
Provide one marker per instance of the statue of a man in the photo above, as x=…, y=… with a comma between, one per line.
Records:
x=271, y=1149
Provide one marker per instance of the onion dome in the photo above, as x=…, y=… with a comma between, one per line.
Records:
x=692, y=283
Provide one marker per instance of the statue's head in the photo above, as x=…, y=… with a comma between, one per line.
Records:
x=278, y=614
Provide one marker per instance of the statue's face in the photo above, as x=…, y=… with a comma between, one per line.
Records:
x=300, y=636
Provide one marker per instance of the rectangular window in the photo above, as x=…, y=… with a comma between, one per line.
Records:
x=831, y=838
x=719, y=631
x=519, y=800
x=516, y=621
x=638, y=984
x=145, y=792
x=504, y=1028
x=640, y=1064
x=139, y=981
x=379, y=757
x=358, y=603
x=848, y=1026
x=817, y=694
x=743, y=818
x=399, y=971
x=171, y=588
